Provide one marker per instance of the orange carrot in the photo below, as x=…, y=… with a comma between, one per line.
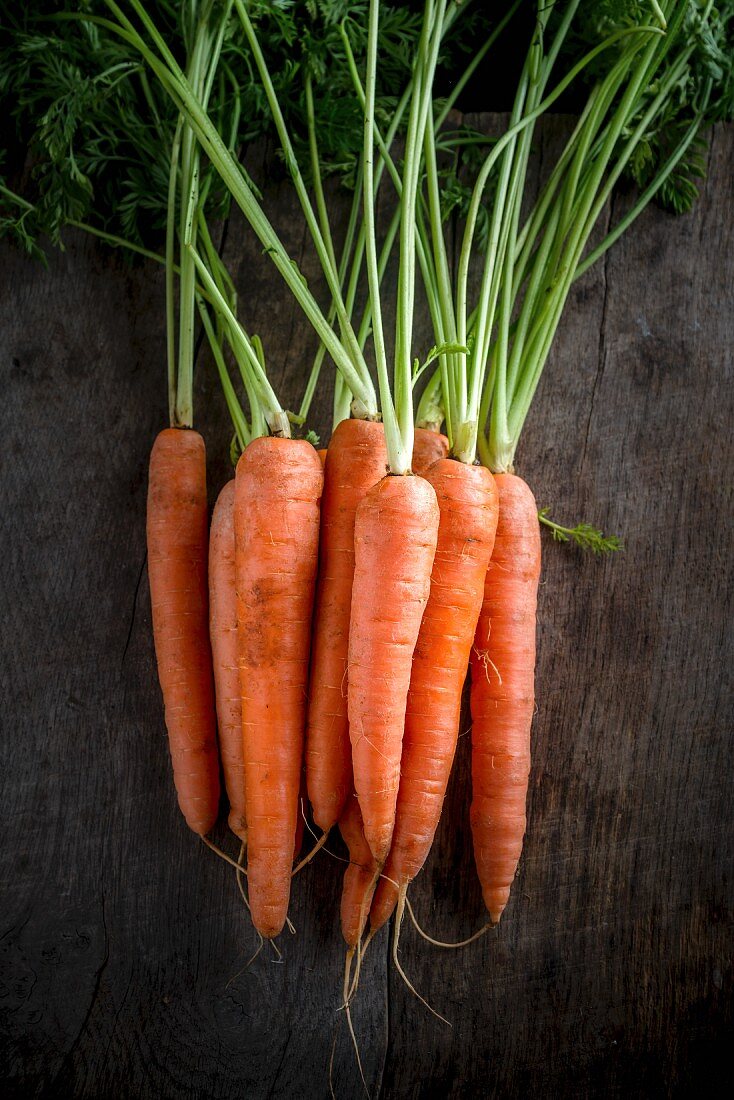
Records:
x=395, y=541
x=467, y=500
x=177, y=532
x=277, y=493
x=223, y=634
x=360, y=876
x=356, y=461
x=502, y=693
x=322, y=455
x=428, y=447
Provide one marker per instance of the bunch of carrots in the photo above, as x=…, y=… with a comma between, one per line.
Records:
x=332, y=610
x=348, y=602
x=314, y=639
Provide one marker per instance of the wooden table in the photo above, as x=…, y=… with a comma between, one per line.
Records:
x=125, y=944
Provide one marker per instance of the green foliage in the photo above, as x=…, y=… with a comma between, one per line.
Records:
x=679, y=190
x=94, y=133
x=447, y=348
x=699, y=38
x=583, y=535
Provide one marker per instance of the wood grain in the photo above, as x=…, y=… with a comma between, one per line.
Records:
x=124, y=944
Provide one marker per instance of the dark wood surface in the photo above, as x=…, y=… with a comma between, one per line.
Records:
x=124, y=944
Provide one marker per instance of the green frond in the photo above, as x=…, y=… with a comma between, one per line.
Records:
x=583, y=535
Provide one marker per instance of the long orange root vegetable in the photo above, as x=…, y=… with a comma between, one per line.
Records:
x=428, y=447
x=225, y=656
x=467, y=500
x=395, y=542
x=277, y=493
x=356, y=460
x=178, y=535
x=360, y=876
x=502, y=693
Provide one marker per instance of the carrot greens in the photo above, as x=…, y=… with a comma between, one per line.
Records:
x=665, y=71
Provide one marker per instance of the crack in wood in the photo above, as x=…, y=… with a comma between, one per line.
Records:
x=133, y=613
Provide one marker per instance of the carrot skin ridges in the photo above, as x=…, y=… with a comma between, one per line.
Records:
x=178, y=536
x=428, y=447
x=225, y=656
x=360, y=876
x=277, y=492
x=395, y=541
x=356, y=460
x=467, y=500
x=502, y=693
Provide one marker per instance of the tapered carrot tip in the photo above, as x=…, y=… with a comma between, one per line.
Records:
x=496, y=909
x=360, y=878
x=383, y=905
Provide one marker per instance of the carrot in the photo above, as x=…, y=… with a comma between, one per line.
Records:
x=223, y=634
x=322, y=455
x=177, y=532
x=360, y=876
x=277, y=492
x=356, y=461
x=502, y=693
x=428, y=447
x=395, y=541
x=467, y=500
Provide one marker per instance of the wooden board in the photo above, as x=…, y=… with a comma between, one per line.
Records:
x=124, y=946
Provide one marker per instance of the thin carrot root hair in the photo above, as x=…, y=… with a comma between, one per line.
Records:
x=340, y=859
x=441, y=943
x=223, y=855
x=249, y=962
x=331, y=1060
x=346, y=994
x=278, y=953
x=361, y=950
x=239, y=873
x=399, y=914
x=307, y=859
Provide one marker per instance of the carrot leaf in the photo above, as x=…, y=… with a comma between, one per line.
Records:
x=583, y=535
